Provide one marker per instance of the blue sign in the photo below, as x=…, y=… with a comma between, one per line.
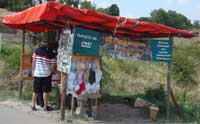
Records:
x=162, y=50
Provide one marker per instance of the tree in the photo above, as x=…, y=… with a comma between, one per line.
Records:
x=170, y=18
x=145, y=19
x=18, y=5
x=3, y=3
x=114, y=10
x=87, y=5
x=196, y=24
x=103, y=10
x=159, y=16
x=74, y=3
x=69, y=2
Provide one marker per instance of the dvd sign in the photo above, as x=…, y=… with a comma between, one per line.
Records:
x=86, y=42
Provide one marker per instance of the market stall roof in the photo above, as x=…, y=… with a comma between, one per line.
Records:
x=53, y=15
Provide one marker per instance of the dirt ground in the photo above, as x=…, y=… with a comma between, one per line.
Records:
x=108, y=114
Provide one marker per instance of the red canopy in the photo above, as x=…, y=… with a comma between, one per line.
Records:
x=53, y=15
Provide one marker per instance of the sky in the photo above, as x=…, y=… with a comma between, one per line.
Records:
x=142, y=8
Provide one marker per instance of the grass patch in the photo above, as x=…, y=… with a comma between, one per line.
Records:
x=10, y=53
x=8, y=94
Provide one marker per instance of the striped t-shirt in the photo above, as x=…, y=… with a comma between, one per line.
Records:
x=43, y=57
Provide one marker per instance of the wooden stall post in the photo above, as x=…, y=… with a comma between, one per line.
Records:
x=22, y=52
x=63, y=95
x=57, y=100
x=169, y=75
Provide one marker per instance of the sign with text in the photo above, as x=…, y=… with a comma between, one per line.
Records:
x=86, y=42
x=127, y=48
x=162, y=50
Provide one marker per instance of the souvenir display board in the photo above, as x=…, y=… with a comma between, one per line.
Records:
x=126, y=48
x=26, y=67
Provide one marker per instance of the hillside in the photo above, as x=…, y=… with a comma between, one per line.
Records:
x=4, y=29
x=134, y=76
x=4, y=12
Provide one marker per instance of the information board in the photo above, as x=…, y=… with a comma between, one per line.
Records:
x=162, y=50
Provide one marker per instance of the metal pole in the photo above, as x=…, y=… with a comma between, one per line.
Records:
x=169, y=74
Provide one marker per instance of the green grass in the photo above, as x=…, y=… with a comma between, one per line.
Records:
x=10, y=53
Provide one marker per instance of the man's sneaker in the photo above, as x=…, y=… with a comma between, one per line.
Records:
x=42, y=105
x=48, y=108
x=33, y=108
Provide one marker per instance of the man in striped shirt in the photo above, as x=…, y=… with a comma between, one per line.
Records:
x=43, y=65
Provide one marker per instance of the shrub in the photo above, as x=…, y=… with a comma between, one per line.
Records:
x=184, y=69
x=156, y=95
x=11, y=55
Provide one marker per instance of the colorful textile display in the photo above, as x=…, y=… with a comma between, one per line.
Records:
x=65, y=51
x=84, y=77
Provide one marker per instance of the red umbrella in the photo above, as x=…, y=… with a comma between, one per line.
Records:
x=53, y=15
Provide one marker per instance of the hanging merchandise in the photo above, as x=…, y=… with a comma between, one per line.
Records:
x=98, y=76
x=93, y=86
x=65, y=51
x=84, y=77
x=80, y=71
x=86, y=42
x=72, y=79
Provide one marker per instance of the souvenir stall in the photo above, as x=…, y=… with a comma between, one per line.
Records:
x=78, y=60
x=78, y=52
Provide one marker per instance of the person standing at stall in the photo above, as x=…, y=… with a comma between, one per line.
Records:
x=43, y=66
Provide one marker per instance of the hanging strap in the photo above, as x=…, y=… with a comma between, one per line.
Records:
x=119, y=24
x=116, y=26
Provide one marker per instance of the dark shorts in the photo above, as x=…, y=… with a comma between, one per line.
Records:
x=42, y=84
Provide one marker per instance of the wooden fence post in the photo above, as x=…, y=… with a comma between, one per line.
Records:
x=63, y=95
x=169, y=74
x=22, y=52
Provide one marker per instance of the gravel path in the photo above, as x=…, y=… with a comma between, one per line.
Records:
x=14, y=116
x=19, y=112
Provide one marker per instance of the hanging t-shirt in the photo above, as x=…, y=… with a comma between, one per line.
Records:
x=92, y=77
x=71, y=82
x=80, y=77
x=98, y=75
x=86, y=76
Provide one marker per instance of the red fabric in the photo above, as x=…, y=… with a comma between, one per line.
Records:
x=53, y=15
x=81, y=88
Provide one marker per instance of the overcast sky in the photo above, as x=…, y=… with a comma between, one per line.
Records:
x=139, y=8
